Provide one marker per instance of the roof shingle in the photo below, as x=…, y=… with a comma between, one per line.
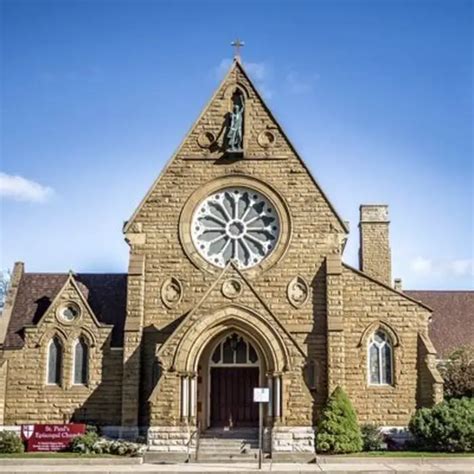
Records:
x=106, y=294
x=452, y=322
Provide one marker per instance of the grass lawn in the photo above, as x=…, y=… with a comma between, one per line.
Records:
x=407, y=454
x=56, y=455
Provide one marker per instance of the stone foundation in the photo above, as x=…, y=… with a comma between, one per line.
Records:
x=171, y=439
x=293, y=439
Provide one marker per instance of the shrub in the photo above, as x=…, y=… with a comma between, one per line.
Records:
x=448, y=426
x=92, y=443
x=372, y=438
x=84, y=444
x=338, y=430
x=10, y=442
x=458, y=373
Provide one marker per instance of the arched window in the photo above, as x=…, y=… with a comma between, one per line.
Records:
x=234, y=350
x=55, y=361
x=81, y=359
x=380, y=359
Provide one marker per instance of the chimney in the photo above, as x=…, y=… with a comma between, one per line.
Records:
x=374, y=252
x=397, y=285
x=17, y=273
x=6, y=313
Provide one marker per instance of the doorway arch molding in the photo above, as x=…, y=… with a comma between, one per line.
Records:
x=238, y=318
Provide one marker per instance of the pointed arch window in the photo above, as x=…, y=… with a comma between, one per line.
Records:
x=234, y=350
x=81, y=361
x=55, y=361
x=380, y=355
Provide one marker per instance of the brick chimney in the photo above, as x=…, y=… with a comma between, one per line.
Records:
x=374, y=252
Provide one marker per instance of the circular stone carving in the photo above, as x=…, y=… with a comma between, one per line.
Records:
x=237, y=224
x=69, y=312
x=298, y=291
x=266, y=139
x=171, y=292
x=204, y=190
x=206, y=139
x=231, y=288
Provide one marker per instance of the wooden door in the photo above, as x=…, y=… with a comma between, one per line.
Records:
x=232, y=396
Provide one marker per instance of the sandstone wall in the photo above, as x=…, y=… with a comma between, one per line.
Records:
x=29, y=399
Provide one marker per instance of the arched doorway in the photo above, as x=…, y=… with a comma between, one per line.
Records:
x=233, y=372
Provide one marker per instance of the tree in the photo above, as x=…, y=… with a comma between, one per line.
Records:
x=458, y=373
x=4, y=285
x=338, y=429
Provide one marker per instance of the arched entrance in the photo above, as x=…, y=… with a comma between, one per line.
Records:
x=233, y=372
x=189, y=354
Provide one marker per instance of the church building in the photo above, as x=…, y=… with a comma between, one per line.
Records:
x=235, y=280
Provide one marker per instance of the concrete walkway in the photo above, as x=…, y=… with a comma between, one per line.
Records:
x=336, y=465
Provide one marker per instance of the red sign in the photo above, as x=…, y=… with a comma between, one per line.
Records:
x=50, y=437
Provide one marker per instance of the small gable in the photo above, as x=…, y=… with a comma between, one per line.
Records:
x=230, y=294
x=104, y=294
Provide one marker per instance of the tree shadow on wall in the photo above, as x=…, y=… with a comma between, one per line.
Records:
x=315, y=373
x=102, y=406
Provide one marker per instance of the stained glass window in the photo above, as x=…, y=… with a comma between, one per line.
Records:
x=380, y=359
x=234, y=349
x=55, y=361
x=80, y=362
x=235, y=224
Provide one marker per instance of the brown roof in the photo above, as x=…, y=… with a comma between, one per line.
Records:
x=452, y=322
x=106, y=294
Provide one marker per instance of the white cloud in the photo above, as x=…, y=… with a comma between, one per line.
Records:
x=421, y=265
x=22, y=189
x=445, y=268
x=299, y=85
x=222, y=68
x=258, y=72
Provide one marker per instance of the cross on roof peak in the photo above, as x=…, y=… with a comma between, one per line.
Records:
x=237, y=44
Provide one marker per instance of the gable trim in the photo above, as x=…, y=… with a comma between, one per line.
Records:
x=393, y=290
x=235, y=64
x=207, y=293
x=70, y=280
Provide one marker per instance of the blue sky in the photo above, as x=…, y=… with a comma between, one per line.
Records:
x=375, y=95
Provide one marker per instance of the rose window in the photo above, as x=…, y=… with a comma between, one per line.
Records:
x=235, y=224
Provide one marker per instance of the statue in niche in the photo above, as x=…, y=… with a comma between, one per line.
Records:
x=235, y=133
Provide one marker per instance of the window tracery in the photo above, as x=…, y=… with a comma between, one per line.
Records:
x=380, y=358
x=237, y=224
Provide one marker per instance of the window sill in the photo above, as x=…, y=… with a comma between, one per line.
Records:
x=381, y=386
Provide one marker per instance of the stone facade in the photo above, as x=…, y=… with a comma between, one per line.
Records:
x=309, y=316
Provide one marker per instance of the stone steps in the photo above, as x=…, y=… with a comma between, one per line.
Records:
x=217, y=445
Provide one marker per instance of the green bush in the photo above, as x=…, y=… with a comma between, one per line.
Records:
x=338, y=430
x=84, y=444
x=448, y=426
x=458, y=373
x=92, y=443
x=372, y=438
x=10, y=442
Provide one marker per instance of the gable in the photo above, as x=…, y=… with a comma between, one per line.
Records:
x=229, y=290
x=105, y=294
x=264, y=141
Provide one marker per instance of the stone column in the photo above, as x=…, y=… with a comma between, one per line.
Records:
x=192, y=396
x=335, y=323
x=277, y=396
x=132, y=345
x=184, y=397
x=270, y=388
